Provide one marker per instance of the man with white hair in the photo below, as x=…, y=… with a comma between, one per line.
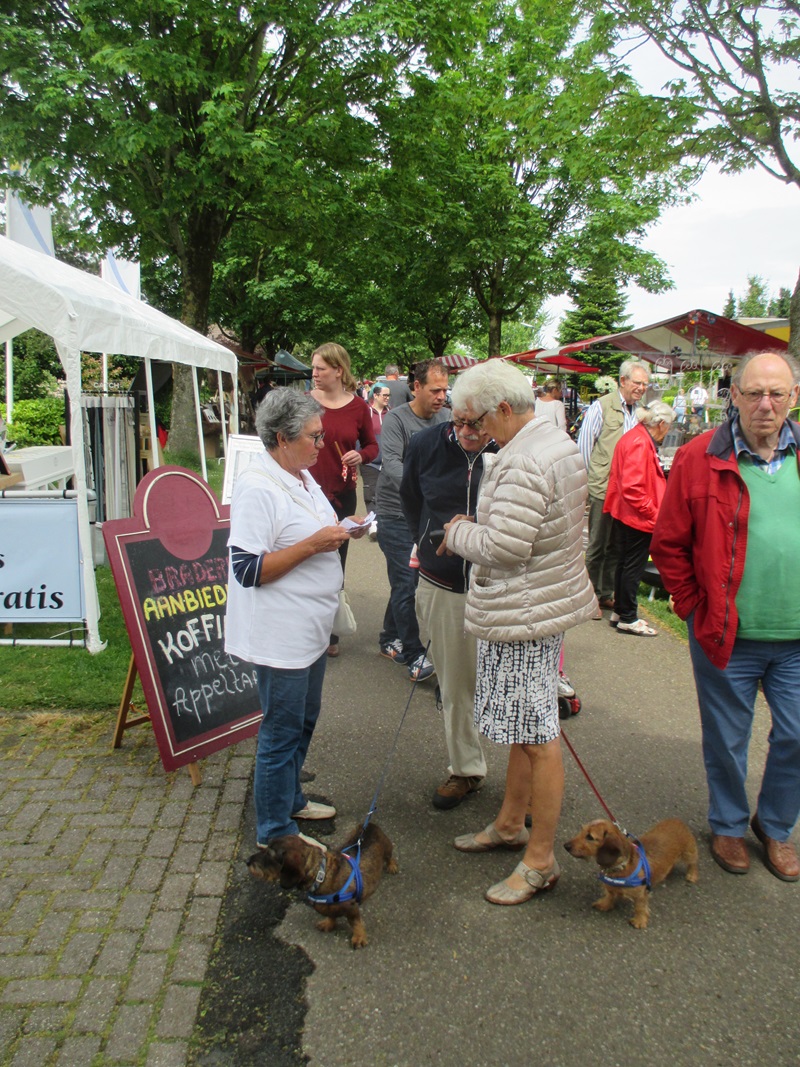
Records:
x=726, y=544
x=606, y=420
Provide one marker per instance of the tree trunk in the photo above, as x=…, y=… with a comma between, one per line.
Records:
x=495, y=329
x=197, y=268
x=794, y=320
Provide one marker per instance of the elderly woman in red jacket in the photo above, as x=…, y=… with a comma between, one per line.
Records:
x=635, y=491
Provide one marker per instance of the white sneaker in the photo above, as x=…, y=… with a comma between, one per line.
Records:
x=565, y=688
x=308, y=840
x=313, y=842
x=313, y=810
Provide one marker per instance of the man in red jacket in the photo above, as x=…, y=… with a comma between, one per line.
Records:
x=727, y=542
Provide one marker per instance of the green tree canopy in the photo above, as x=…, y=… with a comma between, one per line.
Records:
x=167, y=122
x=540, y=155
x=756, y=302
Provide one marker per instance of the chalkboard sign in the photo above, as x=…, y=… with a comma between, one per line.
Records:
x=170, y=566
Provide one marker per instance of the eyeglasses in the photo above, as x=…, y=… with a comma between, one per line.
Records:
x=755, y=396
x=317, y=438
x=473, y=424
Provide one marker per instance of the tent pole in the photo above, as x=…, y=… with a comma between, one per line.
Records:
x=9, y=381
x=151, y=411
x=224, y=415
x=235, y=400
x=199, y=417
x=71, y=361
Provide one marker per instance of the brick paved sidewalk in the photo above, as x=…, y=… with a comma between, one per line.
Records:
x=113, y=874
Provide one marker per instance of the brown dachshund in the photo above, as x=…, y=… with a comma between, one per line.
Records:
x=298, y=865
x=667, y=843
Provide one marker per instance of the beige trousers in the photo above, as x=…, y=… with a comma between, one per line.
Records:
x=453, y=652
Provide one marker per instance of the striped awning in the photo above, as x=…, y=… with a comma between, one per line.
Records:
x=458, y=362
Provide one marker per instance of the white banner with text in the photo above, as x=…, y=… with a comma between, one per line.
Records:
x=40, y=561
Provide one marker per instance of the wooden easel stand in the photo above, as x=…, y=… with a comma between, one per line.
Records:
x=124, y=723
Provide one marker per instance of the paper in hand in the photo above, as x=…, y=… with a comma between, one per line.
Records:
x=348, y=524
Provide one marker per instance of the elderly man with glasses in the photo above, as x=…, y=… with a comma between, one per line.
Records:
x=442, y=470
x=726, y=543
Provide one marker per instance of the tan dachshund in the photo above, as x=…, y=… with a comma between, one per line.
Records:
x=623, y=872
x=298, y=865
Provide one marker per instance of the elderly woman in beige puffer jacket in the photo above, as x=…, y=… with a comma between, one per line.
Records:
x=528, y=585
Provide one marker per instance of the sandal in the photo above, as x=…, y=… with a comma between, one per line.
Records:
x=536, y=882
x=470, y=842
x=638, y=629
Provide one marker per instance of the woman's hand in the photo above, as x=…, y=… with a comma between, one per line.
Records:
x=351, y=459
x=443, y=549
x=356, y=535
x=328, y=539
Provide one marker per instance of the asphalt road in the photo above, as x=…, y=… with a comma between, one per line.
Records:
x=450, y=980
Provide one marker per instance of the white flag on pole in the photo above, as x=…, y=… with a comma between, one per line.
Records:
x=29, y=226
x=121, y=273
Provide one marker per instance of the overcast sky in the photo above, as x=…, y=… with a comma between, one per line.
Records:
x=739, y=225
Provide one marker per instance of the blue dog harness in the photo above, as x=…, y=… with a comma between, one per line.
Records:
x=353, y=888
x=638, y=877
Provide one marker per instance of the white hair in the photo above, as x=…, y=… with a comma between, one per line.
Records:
x=656, y=412
x=486, y=385
x=627, y=368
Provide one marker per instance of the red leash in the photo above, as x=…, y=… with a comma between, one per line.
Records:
x=603, y=804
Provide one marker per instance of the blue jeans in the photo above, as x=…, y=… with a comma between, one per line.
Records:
x=400, y=619
x=291, y=702
x=727, y=705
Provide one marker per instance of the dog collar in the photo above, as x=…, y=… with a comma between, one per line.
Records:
x=639, y=877
x=346, y=893
x=323, y=867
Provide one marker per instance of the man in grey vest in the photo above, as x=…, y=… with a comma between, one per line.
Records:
x=606, y=420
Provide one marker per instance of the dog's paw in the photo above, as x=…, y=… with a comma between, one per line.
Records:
x=326, y=925
x=359, y=940
x=392, y=867
x=639, y=922
x=605, y=904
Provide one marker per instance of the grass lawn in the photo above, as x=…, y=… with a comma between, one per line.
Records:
x=658, y=611
x=38, y=678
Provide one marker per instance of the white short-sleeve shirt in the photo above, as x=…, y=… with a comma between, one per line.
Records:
x=285, y=623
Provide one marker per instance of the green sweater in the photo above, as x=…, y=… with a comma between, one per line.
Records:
x=768, y=601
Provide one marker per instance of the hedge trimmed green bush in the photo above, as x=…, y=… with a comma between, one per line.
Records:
x=36, y=422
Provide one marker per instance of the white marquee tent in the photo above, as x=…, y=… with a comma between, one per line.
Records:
x=82, y=313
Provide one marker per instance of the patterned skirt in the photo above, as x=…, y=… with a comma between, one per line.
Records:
x=516, y=695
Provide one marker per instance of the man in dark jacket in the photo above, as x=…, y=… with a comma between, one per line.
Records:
x=727, y=542
x=442, y=470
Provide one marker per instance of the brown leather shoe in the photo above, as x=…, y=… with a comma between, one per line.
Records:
x=598, y=612
x=454, y=790
x=730, y=853
x=607, y=602
x=780, y=857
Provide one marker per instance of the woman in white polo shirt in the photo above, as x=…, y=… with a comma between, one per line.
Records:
x=282, y=597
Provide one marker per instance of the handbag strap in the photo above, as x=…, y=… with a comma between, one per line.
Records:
x=298, y=500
